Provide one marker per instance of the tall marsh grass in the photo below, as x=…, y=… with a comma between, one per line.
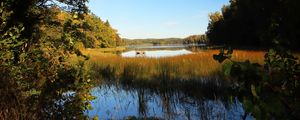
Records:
x=186, y=67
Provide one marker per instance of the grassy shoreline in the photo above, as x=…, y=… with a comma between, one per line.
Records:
x=185, y=67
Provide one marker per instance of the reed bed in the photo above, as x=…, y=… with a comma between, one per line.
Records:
x=195, y=66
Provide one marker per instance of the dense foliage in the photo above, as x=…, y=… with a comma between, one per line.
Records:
x=36, y=82
x=269, y=91
x=272, y=90
x=195, y=39
x=91, y=32
x=256, y=23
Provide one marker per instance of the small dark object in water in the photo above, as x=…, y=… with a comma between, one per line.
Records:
x=140, y=53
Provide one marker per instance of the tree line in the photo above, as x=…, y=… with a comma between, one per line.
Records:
x=195, y=39
x=256, y=23
x=192, y=39
x=93, y=33
x=271, y=90
x=153, y=41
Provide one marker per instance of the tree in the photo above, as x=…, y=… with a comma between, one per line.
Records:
x=195, y=39
x=92, y=32
x=107, y=23
x=214, y=32
x=267, y=92
x=34, y=74
x=256, y=23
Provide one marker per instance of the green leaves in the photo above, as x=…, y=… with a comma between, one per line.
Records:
x=223, y=56
x=267, y=92
x=253, y=91
x=33, y=65
x=227, y=67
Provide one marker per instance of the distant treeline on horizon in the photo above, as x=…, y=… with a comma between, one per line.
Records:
x=193, y=39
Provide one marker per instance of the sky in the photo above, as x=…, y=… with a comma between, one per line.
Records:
x=138, y=19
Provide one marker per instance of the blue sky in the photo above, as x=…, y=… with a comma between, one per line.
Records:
x=156, y=18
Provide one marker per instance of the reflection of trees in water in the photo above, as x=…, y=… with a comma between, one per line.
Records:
x=166, y=105
x=207, y=110
x=188, y=100
x=177, y=104
x=142, y=103
x=165, y=100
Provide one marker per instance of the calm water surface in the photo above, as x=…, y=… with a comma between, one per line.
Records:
x=119, y=102
x=159, y=51
x=156, y=53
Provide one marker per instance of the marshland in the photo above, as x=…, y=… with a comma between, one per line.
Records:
x=185, y=67
x=168, y=84
x=149, y=60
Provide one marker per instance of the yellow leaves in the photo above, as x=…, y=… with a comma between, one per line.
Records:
x=41, y=80
x=75, y=16
x=76, y=22
x=79, y=45
x=253, y=91
x=216, y=16
x=62, y=16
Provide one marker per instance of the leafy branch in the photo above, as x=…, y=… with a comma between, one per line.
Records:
x=268, y=91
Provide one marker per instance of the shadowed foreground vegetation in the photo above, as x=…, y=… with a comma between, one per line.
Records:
x=271, y=90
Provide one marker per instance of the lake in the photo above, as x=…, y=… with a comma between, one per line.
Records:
x=159, y=51
x=156, y=53
x=121, y=102
x=199, y=99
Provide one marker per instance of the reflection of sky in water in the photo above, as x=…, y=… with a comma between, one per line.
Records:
x=157, y=53
x=116, y=103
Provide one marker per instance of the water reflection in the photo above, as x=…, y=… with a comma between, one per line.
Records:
x=156, y=53
x=119, y=101
x=162, y=50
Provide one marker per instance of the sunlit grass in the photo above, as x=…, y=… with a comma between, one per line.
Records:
x=186, y=67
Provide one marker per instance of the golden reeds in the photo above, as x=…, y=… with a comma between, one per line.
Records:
x=185, y=67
